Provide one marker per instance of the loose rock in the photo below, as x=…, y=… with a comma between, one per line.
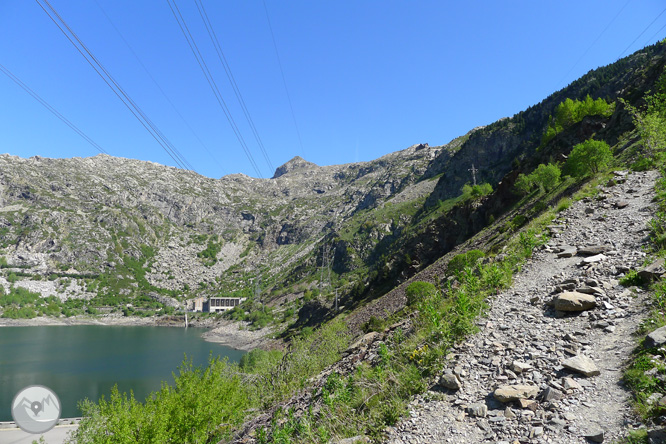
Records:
x=582, y=364
x=574, y=301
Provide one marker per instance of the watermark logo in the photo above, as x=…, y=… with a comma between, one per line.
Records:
x=36, y=409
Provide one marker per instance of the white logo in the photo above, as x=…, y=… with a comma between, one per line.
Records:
x=36, y=409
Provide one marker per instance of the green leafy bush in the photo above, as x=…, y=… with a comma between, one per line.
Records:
x=573, y=111
x=463, y=260
x=545, y=177
x=476, y=191
x=631, y=279
x=588, y=157
x=418, y=291
x=374, y=324
x=524, y=184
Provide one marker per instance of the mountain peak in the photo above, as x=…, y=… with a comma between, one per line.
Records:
x=297, y=163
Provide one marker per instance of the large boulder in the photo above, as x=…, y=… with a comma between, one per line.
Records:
x=574, y=301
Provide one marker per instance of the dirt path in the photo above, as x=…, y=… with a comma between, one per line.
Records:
x=522, y=327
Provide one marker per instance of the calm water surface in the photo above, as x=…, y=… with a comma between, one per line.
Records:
x=85, y=361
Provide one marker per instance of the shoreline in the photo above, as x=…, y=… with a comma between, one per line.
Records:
x=231, y=334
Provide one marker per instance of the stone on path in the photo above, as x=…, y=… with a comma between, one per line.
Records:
x=567, y=252
x=519, y=367
x=581, y=364
x=657, y=338
x=479, y=410
x=653, y=271
x=593, y=250
x=594, y=259
x=595, y=435
x=508, y=393
x=449, y=381
x=574, y=301
x=551, y=394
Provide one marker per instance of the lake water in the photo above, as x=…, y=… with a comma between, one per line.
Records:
x=85, y=361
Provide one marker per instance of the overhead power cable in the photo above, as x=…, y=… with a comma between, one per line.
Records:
x=593, y=43
x=651, y=39
x=152, y=78
x=54, y=111
x=639, y=35
x=230, y=76
x=159, y=137
x=284, y=81
x=211, y=81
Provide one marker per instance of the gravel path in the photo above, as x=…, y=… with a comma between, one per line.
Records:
x=523, y=340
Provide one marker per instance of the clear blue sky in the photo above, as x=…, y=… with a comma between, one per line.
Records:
x=365, y=77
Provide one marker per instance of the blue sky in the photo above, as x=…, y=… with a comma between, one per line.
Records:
x=365, y=78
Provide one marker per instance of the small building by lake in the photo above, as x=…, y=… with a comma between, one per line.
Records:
x=216, y=304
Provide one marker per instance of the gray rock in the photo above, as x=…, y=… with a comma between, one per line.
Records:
x=581, y=364
x=519, y=367
x=657, y=338
x=595, y=435
x=478, y=410
x=536, y=432
x=594, y=259
x=450, y=381
x=657, y=436
x=574, y=301
x=653, y=271
x=551, y=394
x=567, y=252
x=508, y=393
x=594, y=250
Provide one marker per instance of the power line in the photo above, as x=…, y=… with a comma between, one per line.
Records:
x=651, y=39
x=593, y=43
x=639, y=35
x=54, y=111
x=159, y=137
x=211, y=81
x=230, y=76
x=284, y=81
x=138, y=59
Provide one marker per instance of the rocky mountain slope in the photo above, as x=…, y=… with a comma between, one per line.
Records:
x=82, y=216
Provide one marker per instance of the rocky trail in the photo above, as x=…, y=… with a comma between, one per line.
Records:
x=522, y=377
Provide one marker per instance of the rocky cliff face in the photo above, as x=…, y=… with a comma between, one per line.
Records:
x=84, y=215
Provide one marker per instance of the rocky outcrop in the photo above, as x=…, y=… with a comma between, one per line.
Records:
x=295, y=164
x=97, y=214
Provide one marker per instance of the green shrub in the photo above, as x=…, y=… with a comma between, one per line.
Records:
x=12, y=278
x=573, y=111
x=463, y=260
x=476, y=191
x=563, y=204
x=546, y=177
x=631, y=279
x=524, y=184
x=518, y=221
x=588, y=157
x=373, y=324
x=418, y=291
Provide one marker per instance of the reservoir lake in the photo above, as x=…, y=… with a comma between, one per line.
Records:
x=86, y=361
